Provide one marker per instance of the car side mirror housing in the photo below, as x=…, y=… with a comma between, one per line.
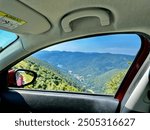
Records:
x=24, y=77
x=21, y=77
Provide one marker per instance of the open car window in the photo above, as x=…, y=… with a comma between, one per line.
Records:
x=94, y=65
x=6, y=38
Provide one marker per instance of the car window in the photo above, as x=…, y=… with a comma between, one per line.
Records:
x=94, y=65
x=6, y=38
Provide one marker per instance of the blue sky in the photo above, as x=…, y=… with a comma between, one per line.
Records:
x=6, y=38
x=116, y=44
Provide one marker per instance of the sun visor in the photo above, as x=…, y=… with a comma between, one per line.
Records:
x=17, y=17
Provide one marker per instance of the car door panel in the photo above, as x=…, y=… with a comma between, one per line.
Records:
x=44, y=101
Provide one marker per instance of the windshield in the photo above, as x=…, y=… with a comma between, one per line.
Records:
x=6, y=38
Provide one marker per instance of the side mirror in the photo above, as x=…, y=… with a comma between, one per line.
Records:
x=24, y=77
x=21, y=77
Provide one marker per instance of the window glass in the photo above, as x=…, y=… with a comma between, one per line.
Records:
x=94, y=65
x=6, y=38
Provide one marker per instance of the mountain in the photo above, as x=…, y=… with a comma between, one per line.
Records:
x=91, y=70
x=84, y=63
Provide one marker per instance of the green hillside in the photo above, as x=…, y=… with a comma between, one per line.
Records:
x=47, y=79
x=99, y=82
x=113, y=84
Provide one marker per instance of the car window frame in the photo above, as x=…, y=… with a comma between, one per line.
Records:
x=88, y=36
x=135, y=66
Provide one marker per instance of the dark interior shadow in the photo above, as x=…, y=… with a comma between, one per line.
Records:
x=13, y=102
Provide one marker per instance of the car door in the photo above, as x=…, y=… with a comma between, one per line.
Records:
x=73, y=76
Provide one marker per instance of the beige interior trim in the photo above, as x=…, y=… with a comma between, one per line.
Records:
x=103, y=16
